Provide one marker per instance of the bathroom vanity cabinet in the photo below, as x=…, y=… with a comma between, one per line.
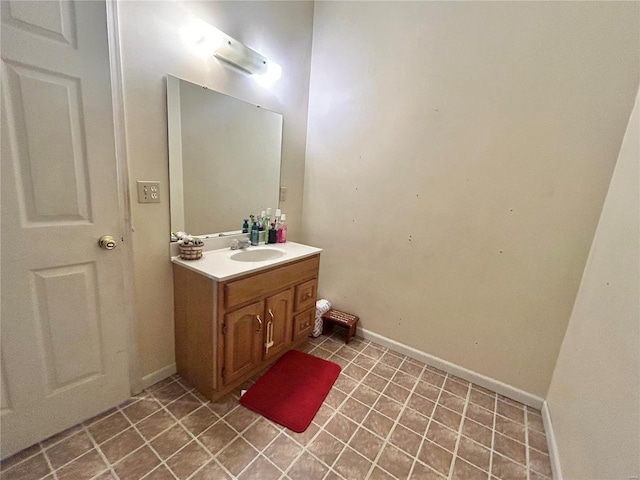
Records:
x=227, y=331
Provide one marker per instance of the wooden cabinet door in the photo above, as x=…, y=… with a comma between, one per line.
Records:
x=303, y=323
x=244, y=330
x=278, y=315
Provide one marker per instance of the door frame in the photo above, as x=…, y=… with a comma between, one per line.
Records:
x=124, y=191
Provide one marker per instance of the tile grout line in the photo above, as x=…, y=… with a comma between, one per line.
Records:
x=347, y=397
x=48, y=460
x=493, y=434
x=305, y=446
x=381, y=393
x=321, y=428
x=241, y=435
x=328, y=350
x=424, y=437
x=414, y=458
x=281, y=431
x=30, y=457
x=101, y=453
x=459, y=435
x=526, y=444
x=238, y=434
x=374, y=462
x=490, y=448
x=147, y=442
x=369, y=371
x=395, y=423
x=199, y=442
x=435, y=402
x=82, y=428
x=55, y=470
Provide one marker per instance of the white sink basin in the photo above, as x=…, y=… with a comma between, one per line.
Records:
x=257, y=254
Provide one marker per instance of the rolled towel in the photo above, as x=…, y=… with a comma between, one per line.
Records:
x=322, y=307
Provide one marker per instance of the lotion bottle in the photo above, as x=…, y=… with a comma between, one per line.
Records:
x=282, y=230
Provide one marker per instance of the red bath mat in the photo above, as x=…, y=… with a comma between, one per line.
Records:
x=292, y=390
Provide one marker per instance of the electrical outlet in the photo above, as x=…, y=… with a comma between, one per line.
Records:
x=148, y=192
x=283, y=194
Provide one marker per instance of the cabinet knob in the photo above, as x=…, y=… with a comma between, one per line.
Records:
x=259, y=323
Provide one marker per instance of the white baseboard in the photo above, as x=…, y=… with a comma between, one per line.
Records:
x=155, y=377
x=552, y=446
x=469, y=375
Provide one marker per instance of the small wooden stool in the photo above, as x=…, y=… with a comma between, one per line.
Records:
x=342, y=319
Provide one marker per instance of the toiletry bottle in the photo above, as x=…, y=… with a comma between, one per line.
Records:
x=282, y=231
x=255, y=234
x=261, y=224
x=273, y=233
x=267, y=223
x=245, y=226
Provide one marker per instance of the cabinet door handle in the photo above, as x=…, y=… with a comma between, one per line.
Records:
x=273, y=319
x=269, y=343
x=259, y=323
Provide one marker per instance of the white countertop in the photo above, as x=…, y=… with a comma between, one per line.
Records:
x=217, y=264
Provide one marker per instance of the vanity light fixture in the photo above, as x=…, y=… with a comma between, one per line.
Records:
x=224, y=47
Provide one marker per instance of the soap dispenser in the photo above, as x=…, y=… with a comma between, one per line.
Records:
x=245, y=226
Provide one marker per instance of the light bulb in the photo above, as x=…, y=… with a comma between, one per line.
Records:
x=273, y=73
x=203, y=38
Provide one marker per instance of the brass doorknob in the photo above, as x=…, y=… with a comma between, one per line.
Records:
x=107, y=242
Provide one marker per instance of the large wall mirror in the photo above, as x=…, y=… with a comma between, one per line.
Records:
x=224, y=159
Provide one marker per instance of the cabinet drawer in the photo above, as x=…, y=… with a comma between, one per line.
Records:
x=303, y=324
x=255, y=286
x=306, y=295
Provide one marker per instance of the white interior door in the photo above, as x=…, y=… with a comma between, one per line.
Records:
x=63, y=328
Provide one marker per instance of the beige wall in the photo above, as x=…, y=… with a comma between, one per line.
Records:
x=152, y=47
x=594, y=398
x=458, y=158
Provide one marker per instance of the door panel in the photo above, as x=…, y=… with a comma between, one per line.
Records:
x=63, y=331
x=45, y=125
x=278, y=312
x=53, y=20
x=67, y=321
x=243, y=340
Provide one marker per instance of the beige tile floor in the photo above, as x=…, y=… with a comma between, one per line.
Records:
x=387, y=417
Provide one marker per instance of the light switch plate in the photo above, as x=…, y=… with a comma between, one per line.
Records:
x=148, y=192
x=283, y=194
